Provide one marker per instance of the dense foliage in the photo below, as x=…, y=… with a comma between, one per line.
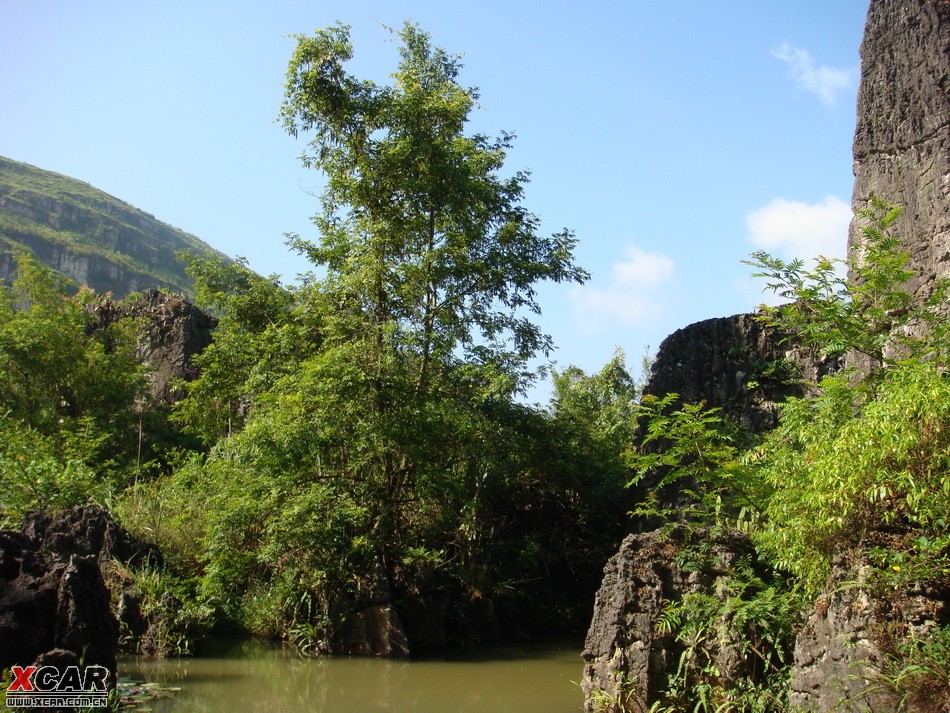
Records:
x=365, y=439
x=67, y=388
x=859, y=467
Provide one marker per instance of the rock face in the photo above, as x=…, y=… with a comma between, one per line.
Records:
x=902, y=139
x=737, y=364
x=53, y=600
x=371, y=626
x=87, y=531
x=173, y=331
x=52, y=592
x=375, y=630
x=844, y=645
x=902, y=155
x=743, y=367
x=833, y=652
x=627, y=658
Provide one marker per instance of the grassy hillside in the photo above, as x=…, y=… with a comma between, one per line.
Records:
x=86, y=234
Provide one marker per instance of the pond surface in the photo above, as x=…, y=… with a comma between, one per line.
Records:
x=511, y=680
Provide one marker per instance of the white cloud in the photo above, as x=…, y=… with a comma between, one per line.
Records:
x=642, y=269
x=631, y=297
x=793, y=229
x=823, y=81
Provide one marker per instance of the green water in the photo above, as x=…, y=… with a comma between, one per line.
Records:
x=515, y=681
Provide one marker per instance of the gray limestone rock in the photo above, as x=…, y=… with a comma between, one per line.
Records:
x=902, y=138
x=628, y=659
x=843, y=649
x=173, y=331
x=737, y=364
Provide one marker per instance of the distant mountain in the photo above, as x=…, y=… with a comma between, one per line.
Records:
x=88, y=235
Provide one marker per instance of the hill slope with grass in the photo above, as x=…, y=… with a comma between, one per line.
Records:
x=84, y=233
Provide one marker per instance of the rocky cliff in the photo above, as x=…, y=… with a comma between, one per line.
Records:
x=737, y=364
x=171, y=332
x=86, y=234
x=629, y=657
x=902, y=137
x=902, y=155
x=746, y=369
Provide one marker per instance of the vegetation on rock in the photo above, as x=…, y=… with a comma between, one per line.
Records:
x=858, y=469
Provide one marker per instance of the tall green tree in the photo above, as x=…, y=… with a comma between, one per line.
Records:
x=430, y=263
x=383, y=446
x=429, y=254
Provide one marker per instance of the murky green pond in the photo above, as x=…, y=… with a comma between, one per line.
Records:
x=515, y=681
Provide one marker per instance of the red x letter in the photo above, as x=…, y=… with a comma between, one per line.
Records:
x=21, y=679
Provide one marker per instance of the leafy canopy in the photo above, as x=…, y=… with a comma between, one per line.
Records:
x=427, y=249
x=362, y=423
x=859, y=305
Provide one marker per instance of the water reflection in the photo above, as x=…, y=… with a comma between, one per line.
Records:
x=520, y=681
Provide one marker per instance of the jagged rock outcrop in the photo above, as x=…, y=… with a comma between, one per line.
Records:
x=87, y=531
x=175, y=330
x=628, y=657
x=902, y=138
x=737, y=364
x=843, y=650
x=55, y=580
x=51, y=599
x=172, y=331
x=745, y=368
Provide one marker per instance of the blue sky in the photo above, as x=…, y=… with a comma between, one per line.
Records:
x=674, y=139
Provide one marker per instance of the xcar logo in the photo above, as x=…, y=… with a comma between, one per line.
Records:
x=48, y=687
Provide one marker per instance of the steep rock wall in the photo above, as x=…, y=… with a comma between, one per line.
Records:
x=172, y=332
x=902, y=155
x=737, y=364
x=52, y=594
x=628, y=657
x=902, y=137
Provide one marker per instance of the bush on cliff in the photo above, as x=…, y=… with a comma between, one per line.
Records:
x=861, y=465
